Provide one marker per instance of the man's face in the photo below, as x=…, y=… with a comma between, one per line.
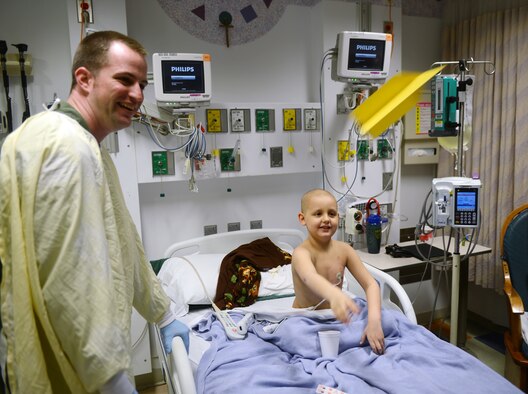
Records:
x=117, y=89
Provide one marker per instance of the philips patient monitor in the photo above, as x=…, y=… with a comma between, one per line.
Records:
x=363, y=55
x=182, y=79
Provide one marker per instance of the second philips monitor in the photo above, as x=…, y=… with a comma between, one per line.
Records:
x=182, y=79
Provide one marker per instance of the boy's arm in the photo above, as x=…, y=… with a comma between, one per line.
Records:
x=319, y=285
x=373, y=331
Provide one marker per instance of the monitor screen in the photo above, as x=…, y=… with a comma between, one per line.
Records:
x=466, y=207
x=182, y=76
x=366, y=54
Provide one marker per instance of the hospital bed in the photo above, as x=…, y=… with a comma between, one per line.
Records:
x=287, y=358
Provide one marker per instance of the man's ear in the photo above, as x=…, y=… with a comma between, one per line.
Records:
x=84, y=78
x=300, y=216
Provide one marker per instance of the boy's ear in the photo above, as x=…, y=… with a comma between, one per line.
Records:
x=300, y=216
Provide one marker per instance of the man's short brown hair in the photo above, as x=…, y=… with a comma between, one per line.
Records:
x=92, y=52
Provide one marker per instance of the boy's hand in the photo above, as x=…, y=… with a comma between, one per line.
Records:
x=374, y=334
x=343, y=307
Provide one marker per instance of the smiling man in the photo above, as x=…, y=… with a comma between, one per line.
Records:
x=73, y=263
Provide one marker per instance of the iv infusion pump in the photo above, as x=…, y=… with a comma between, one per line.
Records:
x=456, y=202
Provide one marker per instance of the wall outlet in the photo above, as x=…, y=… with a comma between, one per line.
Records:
x=85, y=7
x=387, y=181
x=235, y=226
x=210, y=229
x=255, y=224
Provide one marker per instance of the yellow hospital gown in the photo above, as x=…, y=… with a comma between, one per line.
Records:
x=73, y=263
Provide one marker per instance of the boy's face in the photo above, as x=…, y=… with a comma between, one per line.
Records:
x=320, y=215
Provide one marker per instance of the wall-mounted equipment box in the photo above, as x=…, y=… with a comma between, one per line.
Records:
x=229, y=161
x=421, y=152
x=384, y=149
x=276, y=156
x=363, y=150
x=312, y=119
x=163, y=163
x=343, y=150
x=264, y=119
x=291, y=118
x=240, y=120
x=216, y=120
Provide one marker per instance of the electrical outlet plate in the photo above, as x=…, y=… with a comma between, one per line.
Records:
x=210, y=229
x=276, y=158
x=84, y=5
x=255, y=224
x=235, y=226
x=387, y=181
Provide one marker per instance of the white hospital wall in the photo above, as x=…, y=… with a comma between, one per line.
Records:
x=281, y=66
x=43, y=26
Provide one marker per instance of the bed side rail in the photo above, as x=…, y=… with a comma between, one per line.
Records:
x=388, y=285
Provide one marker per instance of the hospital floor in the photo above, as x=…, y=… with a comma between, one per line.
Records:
x=482, y=342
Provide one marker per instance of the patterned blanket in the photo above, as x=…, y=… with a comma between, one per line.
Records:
x=239, y=278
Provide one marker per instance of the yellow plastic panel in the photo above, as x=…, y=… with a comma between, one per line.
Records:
x=393, y=100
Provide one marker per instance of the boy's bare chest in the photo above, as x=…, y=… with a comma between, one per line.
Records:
x=329, y=263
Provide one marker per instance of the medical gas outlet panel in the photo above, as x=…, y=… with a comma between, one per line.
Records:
x=456, y=202
x=239, y=139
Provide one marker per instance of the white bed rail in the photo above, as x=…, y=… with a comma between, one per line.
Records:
x=225, y=242
x=388, y=286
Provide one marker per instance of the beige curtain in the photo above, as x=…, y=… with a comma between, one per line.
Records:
x=496, y=31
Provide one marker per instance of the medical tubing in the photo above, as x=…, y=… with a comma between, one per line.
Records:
x=197, y=145
x=435, y=300
x=339, y=278
x=199, y=278
x=329, y=52
x=158, y=143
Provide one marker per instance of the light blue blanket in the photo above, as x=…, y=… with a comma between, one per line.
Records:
x=289, y=360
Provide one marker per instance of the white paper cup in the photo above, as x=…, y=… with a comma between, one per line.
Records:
x=329, y=341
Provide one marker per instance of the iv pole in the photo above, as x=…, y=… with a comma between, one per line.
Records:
x=455, y=285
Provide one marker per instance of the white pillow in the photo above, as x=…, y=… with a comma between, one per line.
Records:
x=182, y=284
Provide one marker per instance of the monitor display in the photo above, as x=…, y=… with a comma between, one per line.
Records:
x=182, y=79
x=466, y=207
x=363, y=56
x=366, y=54
x=182, y=76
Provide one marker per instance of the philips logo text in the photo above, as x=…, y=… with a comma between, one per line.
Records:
x=366, y=47
x=188, y=69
